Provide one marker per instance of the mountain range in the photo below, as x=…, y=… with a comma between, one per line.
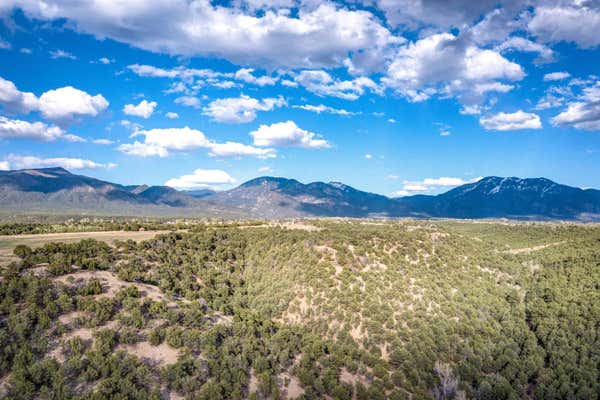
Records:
x=56, y=190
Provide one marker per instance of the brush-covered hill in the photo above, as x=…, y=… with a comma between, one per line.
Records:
x=322, y=309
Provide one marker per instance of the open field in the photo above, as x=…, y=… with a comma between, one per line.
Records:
x=8, y=243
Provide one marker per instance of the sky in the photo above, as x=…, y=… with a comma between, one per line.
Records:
x=397, y=97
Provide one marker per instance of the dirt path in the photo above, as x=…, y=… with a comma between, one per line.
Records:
x=533, y=248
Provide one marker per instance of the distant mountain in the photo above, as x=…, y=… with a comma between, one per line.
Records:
x=200, y=193
x=56, y=190
x=271, y=197
x=493, y=197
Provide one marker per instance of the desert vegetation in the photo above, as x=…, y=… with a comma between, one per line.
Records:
x=337, y=309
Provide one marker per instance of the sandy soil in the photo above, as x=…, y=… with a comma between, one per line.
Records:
x=162, y=355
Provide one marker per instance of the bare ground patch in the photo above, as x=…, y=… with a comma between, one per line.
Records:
x=160, y=355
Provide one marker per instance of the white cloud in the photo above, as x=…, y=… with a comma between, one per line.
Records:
x=511, y=121
x=580, y=115
x=430, y=184
x=132, y=126
x=143, y=149
x=321, y=108
x=324, y=35
x=241, y=109
x=161, y=142
x=233, y=149
x=576, y=23
x=556, y=76
x=287, y=134
x=18, y=129
x=183, y=73
x=545, y=54
x=447, y=65
x=441, y=14
x=265, y=169
x=288, y=83
x=201, y=178
x=15, y=101
x=143, y=110
x=25, y=50
x=323, y=84
x=188, y=101
x=583, y=112
x=245, y=75
x=66, y=104
x=62, y=54
x=172, y=115
x=102, y=141
x=368, y=156
x=25, y=162
x=105, y=60
x=4, y=166
x=4, y=45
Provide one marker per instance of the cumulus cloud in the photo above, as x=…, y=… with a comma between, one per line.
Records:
x=576, y=23
x=511, y=121
x=143, y=110
x=241, y=109
x=580, y=115
x=66, y=104
x=321, y=108
x=442, y=14
x=201, y=178
x=25, y=162
x=234, y=149
x=172, y=115
x=246, y=75
x=584, y=112
x=287, y=134
x=324, y=34
x=161, y=142
x=545, y=54
x=448, y=65
x=61, y=105
x=188, y=101
x=556, y=76
x=15, y=101
x=323, y=84
x=18, y=129
x=431, y=184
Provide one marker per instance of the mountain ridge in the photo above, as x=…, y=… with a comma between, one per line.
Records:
x=58, y=190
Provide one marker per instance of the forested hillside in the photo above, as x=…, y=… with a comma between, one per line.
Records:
x=315, y=309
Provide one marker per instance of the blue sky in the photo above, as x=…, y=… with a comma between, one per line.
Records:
x=391, y=96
